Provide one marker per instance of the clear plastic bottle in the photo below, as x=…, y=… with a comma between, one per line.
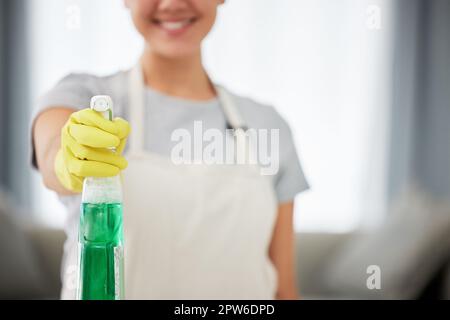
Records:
x=101, y=266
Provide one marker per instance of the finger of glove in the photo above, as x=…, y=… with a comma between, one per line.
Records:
x=87, y=168
x=83, y=152
x=76, y=184
x=98, y=154
x=123, y=128
x=69, y=181
x=93, y=137
x=93, y=118
x=121, y=146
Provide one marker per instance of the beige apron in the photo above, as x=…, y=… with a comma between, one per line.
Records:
x=194, y=231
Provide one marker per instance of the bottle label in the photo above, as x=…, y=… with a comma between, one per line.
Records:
x=118, y=272
x=78, y=289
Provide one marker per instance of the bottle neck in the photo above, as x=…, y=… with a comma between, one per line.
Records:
x=102, y=190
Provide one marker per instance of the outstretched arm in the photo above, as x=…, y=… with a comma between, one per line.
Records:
x=47, y=141
x=281, y=252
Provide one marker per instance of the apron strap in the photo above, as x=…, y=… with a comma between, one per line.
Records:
x=243, y=154
x=232, y=115
x=136, y=103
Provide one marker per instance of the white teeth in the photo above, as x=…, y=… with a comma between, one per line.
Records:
x=174, y=25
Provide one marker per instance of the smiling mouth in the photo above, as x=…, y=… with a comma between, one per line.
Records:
x=175, y=25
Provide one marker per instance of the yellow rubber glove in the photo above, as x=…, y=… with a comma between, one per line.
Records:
x=85, y=140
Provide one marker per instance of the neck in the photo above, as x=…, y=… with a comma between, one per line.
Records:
x=180, y=77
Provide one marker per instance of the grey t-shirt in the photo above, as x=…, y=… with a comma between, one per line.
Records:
x=164, y=114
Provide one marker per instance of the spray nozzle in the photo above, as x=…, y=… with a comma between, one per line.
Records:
x=104, y=105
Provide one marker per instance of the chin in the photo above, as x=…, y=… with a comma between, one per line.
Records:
x=175, y=50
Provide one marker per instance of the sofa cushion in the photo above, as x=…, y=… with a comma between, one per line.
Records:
x=20, y=274
x=409, y=248
x=312, y=252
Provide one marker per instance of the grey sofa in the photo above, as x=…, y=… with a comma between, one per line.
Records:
x=30, y=258
x=42, y=248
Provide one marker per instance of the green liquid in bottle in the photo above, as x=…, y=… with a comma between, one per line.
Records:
x=101, y=240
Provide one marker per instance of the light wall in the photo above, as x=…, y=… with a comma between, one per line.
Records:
x=323, y=64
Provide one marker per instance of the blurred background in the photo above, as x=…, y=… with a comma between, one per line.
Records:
x=363, y=84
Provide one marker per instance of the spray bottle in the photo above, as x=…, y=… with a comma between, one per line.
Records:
x=101, y=271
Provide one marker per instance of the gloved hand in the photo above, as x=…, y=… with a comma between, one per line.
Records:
x=85, y=140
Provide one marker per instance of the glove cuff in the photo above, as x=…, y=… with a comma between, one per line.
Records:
x=69, y=181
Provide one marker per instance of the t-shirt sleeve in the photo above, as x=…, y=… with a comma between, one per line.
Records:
x=290, y=179
x=73, y=91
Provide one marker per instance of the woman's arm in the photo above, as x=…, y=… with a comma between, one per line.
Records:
x=281, y=252
x=47, y=141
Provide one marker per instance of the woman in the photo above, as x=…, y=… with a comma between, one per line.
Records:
x=205, y=231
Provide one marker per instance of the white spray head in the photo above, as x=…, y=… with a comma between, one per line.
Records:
x=103, y=104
